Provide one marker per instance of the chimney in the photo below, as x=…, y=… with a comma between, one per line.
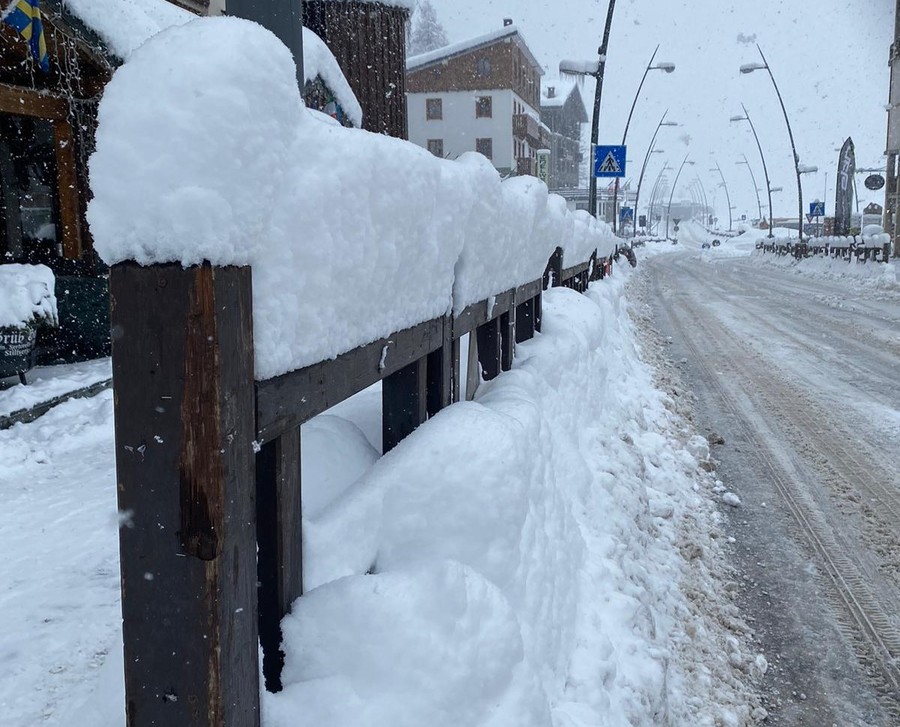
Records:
x=551, y=91
x=507, y=22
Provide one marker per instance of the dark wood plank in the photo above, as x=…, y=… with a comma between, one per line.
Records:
x=25, y=102
x=280, y=544
x=291, y=399
x=183, y=385
x=489, y=353
x=569, y=274
x=441, y=372
x=525, y=321
x=69, y=216
x=479, y=313
x=403, y=403
x=507, y=339
x=553, y=274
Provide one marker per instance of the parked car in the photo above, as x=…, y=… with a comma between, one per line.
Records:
x=716, y=243
x=705, y=246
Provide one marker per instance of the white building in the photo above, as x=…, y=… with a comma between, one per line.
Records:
x=480, y=95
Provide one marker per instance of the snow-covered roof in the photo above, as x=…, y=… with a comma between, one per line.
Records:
x=562, y=91
x=319, y=61
x=125, y=25
x=455, y=49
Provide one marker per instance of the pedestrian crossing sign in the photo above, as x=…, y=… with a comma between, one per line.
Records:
x=609, y=161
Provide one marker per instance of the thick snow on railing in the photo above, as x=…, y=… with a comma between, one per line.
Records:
x=867, y=241
x=205, y=152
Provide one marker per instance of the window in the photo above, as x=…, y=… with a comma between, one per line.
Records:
x=436, y=147
x=434, y=109
x=483, y=67
x=485, y=146
x=484, y=107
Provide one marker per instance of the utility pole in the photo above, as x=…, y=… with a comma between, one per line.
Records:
x=892, y=188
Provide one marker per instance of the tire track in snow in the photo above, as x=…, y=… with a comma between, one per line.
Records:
x=871, y=627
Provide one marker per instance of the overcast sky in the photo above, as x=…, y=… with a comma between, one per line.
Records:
x=829, y=58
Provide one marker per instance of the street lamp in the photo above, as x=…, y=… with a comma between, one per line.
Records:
x=727, y=196
x=666, y=68
x=655, y=193
x=746, y=117
x=650, y=150
x=672, y=195
x=596, y=70
x=749, y=68
x=706, y=208
x=753, y=179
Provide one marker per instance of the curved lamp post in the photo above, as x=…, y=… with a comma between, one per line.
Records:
x=667, y=68
x=753, y=179
x=704, y=199
x=746, y=117
x=650, y=150
x=749, y=68
x=672, y=194
x=655, y=192
x=594, y=69
x=727, y=196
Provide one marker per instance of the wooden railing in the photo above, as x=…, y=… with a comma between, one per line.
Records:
x=208, y=468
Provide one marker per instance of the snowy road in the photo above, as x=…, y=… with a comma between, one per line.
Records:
x=801, y=377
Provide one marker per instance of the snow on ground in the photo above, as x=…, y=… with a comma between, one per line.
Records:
x=545, y=555
x=870, y=274
x=48, y=382
x=206, y=122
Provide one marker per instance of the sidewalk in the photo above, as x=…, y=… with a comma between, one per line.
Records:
x=51, y=385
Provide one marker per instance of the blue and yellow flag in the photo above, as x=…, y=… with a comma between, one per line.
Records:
x=25, y=16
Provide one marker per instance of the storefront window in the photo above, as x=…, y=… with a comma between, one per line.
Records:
x=29, y=204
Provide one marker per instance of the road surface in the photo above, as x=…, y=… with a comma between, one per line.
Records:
x=801, y=377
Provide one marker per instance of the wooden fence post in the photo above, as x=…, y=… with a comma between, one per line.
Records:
x=507, y=338
x=489, y=348
x=443, y=372
x=525, y=320
x=403, y=403
x=279, y=538
x=553, y=274
x=184, y=409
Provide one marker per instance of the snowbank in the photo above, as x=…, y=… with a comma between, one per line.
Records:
x=27, y=295
x=205, y=152
x=125, y=25
x=518, y=559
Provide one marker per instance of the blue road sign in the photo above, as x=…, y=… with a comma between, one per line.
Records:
x=609, y=161
x=817, y=209
x=626, y=214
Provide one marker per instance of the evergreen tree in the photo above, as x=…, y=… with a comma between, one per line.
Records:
x=427, y=31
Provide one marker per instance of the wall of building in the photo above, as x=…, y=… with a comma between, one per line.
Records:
x=459, y=127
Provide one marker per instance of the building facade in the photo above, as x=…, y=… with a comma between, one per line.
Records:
x=563, y=113
x=480, y=95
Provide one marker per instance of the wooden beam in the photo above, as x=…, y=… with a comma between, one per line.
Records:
x=279, y=539
x=479, y=313
x=67, y=175
x=288, y=400
x=403, y=403
x=25, y=102
x=489, y=349
x=183, y=384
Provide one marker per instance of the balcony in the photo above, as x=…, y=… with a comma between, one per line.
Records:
x=529, y=129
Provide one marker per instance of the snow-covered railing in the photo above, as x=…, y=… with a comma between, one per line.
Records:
x=267, y=264
x=875, y=248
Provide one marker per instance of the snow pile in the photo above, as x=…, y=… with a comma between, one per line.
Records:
x=871, y=274
x=125, y=25
x=205, y=152
x=520, y=559
x=319, y=61
x=27, y=295
x=546, y=555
